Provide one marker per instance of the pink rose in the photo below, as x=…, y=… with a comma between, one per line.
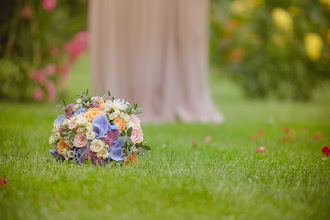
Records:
x=135, y=120
x=72, y=124
x=80, y=140
x=137, y=134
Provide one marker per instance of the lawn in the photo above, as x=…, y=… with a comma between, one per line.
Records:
x=224, y=178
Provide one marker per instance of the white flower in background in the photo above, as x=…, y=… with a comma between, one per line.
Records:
x=81, y=120
x=125, y=117
x=97, y=145
x=57, y=135
x=80, y=130
x=130, y=124
x=118, y=104
x=90, y=135
x=103, y=153
x=107, y=108
x=79, y=101
x=134, y=149
x=98, y=99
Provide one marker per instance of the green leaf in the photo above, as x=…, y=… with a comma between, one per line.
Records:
x=147, y=147
x=129, y=131
x=123, y=133
x=109, y=93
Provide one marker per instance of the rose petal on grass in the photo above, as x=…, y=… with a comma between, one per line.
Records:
x=326, y=150
x=207, y=139
x=261, y=149
x=318, y=137
x=3, y=181
x=261, y=132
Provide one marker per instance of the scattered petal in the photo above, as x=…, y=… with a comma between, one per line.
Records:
x=318, y=137
x=283, y=139
x=253, y=137
x=261, y=132
x=326, y=150
x=207, y=139
x=194, y=143
x=286, y=130
x=261, y=149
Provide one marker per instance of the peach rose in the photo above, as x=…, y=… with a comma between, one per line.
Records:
x=137, y=134
x=121, y=123
x=102, y=106
x=80, y=140
x=61, y=146
x=92, y=113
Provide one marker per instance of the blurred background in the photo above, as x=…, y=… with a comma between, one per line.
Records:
x=260, y=49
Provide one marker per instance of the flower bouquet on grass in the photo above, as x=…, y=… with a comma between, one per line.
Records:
x=99, y=130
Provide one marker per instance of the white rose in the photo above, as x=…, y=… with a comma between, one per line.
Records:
x=124, y=116
x=80, y=130
x=66, y=122
x=89, y=127
x=57, y=135
x=52, y=139
x=97, y=145
x=56, y=128
x=90, y=135
x=81, y=121
x=130, y=124
x=103, y=153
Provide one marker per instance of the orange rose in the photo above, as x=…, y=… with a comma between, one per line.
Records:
x=92, y=113
x=102, y=106
x=121, y=123
x=61, y=146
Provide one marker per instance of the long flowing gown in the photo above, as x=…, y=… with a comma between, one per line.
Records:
x=154, y=52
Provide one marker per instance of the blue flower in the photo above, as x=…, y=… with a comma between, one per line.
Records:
x=59, y=120
x=116, y=151
x=78, y=154
x=101, y=126
x=56, y=155
x=79, y=111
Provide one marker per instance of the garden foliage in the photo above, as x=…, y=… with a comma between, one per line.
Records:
x=273, y=48
x=39, y=43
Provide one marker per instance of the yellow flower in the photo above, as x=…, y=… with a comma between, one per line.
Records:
x=282, y=19
x=92, y=113
x=325, y=2
x=313, y=45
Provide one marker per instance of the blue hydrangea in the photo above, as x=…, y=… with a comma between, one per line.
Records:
x=79, y=111
x=59, y=120
x=78, y=154
x=56, y=155
x=116, y=151
x=101, y=126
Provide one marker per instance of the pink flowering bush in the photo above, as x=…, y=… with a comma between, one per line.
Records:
x=40, y=43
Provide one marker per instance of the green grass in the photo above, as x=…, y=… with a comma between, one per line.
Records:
x=222, y=179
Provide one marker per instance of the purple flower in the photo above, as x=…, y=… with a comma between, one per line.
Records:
x=69, y=110
x=62, y=128
x=106, y=98
x=89, y=155
x=95, y=105
x=59, y=120
x=112, y=135
x=79, y=111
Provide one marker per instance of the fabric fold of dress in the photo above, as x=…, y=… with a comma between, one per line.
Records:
x=155, y=53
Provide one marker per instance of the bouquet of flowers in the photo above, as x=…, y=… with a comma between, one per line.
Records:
x=99, y=130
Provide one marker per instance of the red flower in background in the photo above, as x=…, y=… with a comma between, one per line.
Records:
x=48, y=5
x=318, y=137
x=326, y=150
x=26, y=12
x=3, y=181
